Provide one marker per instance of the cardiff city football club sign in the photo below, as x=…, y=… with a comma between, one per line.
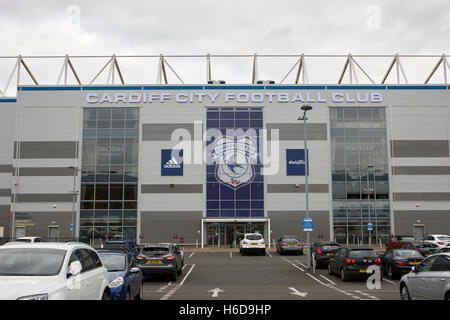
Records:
x=234, y=159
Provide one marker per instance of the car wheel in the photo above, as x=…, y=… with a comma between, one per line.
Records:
x=173, y=276
x=390, y=273
x=127, y=296
x=179, y=272
x=263, y=252
x=140, y=295
x=343, y=276
x=404, y=292
x=329, y=269
x=105, y=295
x=447, y=296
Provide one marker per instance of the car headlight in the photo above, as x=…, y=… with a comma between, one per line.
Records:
x=43, y=296
x=117, y=282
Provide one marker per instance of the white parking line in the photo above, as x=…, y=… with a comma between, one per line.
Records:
x=183, y=267
x=328, y=280
x=366, y=294
x=231, y=255
x=177, y=286
x=293, y=264
x=190, y=256
x=324, y=284
x=393, y=282
x=269, y=254
x=187, y=275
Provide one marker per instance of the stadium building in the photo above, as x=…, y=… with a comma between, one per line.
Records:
x=207, y=162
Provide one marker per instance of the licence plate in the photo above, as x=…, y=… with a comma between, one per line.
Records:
x=414, y=263
x=254, y=243
x=330, y=254
x=428, y=254
x=292, y=245
x=365, y=271
x=153, y=261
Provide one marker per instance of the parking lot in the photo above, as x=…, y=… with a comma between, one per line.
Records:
x=231, y=276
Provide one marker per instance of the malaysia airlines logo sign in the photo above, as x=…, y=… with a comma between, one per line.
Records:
x=234, y=159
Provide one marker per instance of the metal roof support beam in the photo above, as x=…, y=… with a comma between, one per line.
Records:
x=398, y=67
x=363, y=71
x=28, y=70
x=161, y=71
x=101, y=70
x=16, y=66
x=347, y=62
x=444, y=62
x=165, y=62
x=67, y=64
x=208, y=68
x=255, y=69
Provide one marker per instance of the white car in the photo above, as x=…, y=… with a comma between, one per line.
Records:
x=441, y=240
x=430, y=280
x=29, y=239
x=52, y=271
x=252, y=242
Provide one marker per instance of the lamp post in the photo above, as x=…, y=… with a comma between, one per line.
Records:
x=74, y=194
x=305, y=139
x=369, y=191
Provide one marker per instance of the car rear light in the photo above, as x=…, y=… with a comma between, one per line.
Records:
x=399, y=263
x=169, y=258
x=319, y=251
x=126, y=250
x=283, y=244
x=139, y=257
x=245, y=242
x=441, y=243
x=263, y=242
x=300, y=245
x=350, y=261
x=378, y=261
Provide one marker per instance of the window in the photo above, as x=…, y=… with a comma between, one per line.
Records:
x=87, y=261
x=109, y=173
x=442, y=263
x=96, y=258
x=426, y=265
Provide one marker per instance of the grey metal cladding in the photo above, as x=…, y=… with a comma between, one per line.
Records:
x=294, y=131
x=5, y=209
x=176, y=188
x=45, y=171
x=5, y=192
x=421, y=170
x=292, y=188
x=43, y=197
x=47, y=149
x=6, y=168
x=421, y=196
x=419, y=148
x=163, y=131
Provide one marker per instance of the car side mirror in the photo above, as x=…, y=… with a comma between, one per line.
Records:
x=135, y=270
x=414, y=269
x=75, y=268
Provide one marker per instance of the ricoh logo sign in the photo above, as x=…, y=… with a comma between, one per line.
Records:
x=234, y=97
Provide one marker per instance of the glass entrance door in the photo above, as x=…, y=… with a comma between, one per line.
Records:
x=213, y=234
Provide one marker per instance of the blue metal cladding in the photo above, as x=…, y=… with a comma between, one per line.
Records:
x=234, y=183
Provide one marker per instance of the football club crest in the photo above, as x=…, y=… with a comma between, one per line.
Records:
x=234, y=157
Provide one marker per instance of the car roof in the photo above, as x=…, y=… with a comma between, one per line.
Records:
x=328, y=243
x=47, y=245
x=253, y=233
x=439, y=235
x=117, y=253
x=29, y=238
x=157, y=245
x=117, y=241
x=360, y=248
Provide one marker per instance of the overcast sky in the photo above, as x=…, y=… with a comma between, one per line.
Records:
x=57, y=27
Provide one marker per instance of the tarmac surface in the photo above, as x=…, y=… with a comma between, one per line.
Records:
x=227, y=275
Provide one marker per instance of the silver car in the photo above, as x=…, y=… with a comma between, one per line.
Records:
x=429, y=280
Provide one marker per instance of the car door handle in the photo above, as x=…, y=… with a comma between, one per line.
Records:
x=442, y=279
x=423, y=279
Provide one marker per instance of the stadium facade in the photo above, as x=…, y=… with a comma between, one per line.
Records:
x=206, y=163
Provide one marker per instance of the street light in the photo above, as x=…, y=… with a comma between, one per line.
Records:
x=74, y=193
x=305, y=138
x=369, y=191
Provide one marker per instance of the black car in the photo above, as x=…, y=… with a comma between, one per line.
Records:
x=161, y=258
x=397, y=262
x=353, y=262
x=444, y=249
x=322, y=252
x=289, y=244
x=426, y=249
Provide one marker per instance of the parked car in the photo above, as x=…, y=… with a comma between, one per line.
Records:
x=353, y=262
x=125, y=278
x=444, y=249
x=252, y=242
x=429, y=280
x=52, y=271
x=120, y=246
x=424, y=248
x=291, y=244
x=396, y=241
x=323, y=251
x=161, y=258
x=29, y=239
x=396, y=262
x=441, y=240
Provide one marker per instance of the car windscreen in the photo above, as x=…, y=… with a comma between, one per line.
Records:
x=444, y=238
x=444, y=250
x=406, y=238
x=293, y=239
x=330, y=247
x=31, y=262
x=407, y=254
x=151, y=250
x=23, y=240
x=363, y=254
x=113, y=262
x=115, y=246
x=253, y=237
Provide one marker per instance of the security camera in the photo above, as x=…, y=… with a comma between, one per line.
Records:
x=54, y=206
x=417, y=205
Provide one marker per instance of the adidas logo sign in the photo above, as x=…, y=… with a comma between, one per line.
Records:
x=172, y=164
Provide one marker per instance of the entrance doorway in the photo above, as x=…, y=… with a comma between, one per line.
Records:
x=418, y=231
x=19, y=232
x=53, y=233
x=228, y=234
